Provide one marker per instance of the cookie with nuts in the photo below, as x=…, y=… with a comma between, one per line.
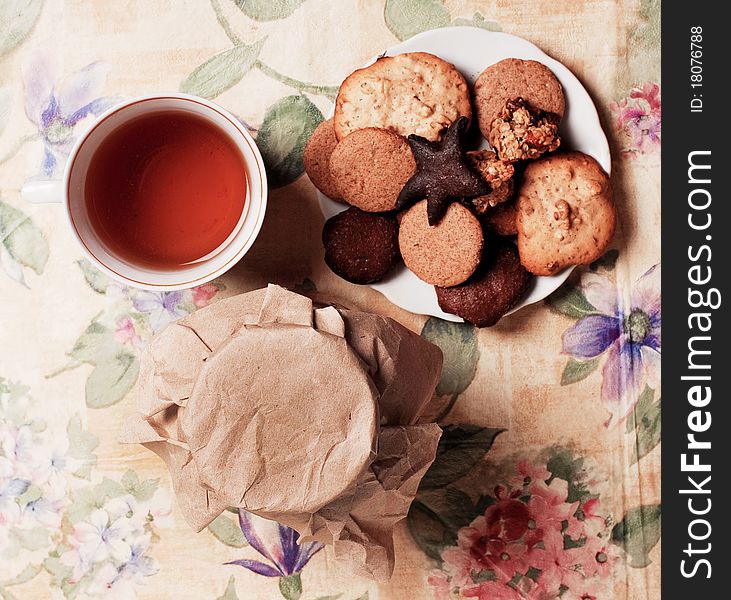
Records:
x=566, y=215
x=498, y=173
x=415, y=92
x=522, y=132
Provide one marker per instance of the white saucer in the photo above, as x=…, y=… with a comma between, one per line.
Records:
x=471, y=50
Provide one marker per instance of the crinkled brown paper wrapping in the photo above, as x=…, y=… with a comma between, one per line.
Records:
x=299, y=414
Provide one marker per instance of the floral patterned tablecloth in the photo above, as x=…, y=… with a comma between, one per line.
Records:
x=547, y=479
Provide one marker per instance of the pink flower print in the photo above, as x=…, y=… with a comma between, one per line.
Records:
x=492, y=590
x=439, y=583
x=548, y=506
x=639, y=119
x=508, y=518
x=529, y=472
x=203, y=294
x=559, y=567
x=97, y=539
x=126, y=333
x=597, y=556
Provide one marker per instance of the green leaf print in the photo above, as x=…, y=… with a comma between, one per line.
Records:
x=81, y=446
x=222, y=71
x=268, y=10
x=110, y=380
x=6, y=96
x=569, y=300
x=430, y=532
x=227, y=531
x=458, y=343
x=459, y=450
x=638, y=532
x=645, y=422
x=291, y=587
x=141, y=490
x=230, y=592
x=478, y=20
x=406, y=18
x=576, y=370
x=97, y=280
x=23, y=241
x=17, y=18
x=287, y=126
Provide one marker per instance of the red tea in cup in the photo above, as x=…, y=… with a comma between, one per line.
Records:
x=165, y=189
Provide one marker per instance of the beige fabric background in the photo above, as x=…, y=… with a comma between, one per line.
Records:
x=152, y=46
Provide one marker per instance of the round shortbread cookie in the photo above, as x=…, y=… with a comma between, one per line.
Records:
x=513, y=78
x=445, y=254
x=565, y=213
x=370, y=167
x=408, y=93
x=316, y=158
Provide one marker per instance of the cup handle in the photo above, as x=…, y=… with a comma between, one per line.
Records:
x=43, y=191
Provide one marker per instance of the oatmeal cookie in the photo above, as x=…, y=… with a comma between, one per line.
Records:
x=408, y=93
x=521, y=132
x=498, y=173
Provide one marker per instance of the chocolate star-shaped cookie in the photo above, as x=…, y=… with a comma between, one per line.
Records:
x=443, y=174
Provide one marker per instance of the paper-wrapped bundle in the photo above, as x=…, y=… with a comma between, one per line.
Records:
x=299, y=414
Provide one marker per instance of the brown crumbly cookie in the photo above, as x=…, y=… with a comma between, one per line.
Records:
x=502, y=219
x=445, y=254
x=514, y=78
x=496, y=287
x=316, y=158
x=408, y=93
x=370, y=167
x=498, y=173
x=360, y=247
x=522, y=132
x=565, y=213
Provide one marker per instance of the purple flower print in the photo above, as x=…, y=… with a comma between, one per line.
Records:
x=639, y=118
x=57, y=107
x=277, y=543
x=629, y=335
x=162, y=308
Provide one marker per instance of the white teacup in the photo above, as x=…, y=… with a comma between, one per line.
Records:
x=70, y=191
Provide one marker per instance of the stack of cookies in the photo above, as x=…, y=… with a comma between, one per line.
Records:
x=476, y=224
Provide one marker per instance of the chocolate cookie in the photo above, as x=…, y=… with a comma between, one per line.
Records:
x=370, y=167
x=502, y=219
x=408, y=93
x=496, y=287
x=316, y=158
x=443, y=173
x=521, y=132
x=514, y=78
x=360, y=247
x=444, y=254
x=497, y=173
x=565, y=213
